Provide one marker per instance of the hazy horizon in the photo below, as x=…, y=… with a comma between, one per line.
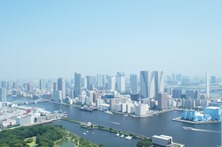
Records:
x=50, y=39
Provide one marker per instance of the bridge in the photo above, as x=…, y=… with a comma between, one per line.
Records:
x=21, y=102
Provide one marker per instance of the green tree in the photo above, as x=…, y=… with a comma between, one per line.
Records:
x=145, y=142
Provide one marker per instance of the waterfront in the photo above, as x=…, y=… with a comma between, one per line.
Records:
x=155, y=125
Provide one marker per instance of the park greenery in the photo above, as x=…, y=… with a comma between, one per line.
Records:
x=40, y=136
x=145, y=142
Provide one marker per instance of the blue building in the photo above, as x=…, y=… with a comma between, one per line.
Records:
x=214, y=112
x=195, y=116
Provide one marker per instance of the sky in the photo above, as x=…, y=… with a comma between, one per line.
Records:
x=54, y=38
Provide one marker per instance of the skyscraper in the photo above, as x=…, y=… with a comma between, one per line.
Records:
x=152, y=90
x=89, y=82
x=144, y=84
x=42, y=84
x=3, y=84
x=133, y=83
x=62, y=87
x=55, y=86
x=207, y=85
x=100, y=81
x=111, y=83
x=3, y=94
x=159, y=82
x=163, y=101
x=147, y=84
x=77, y=85
x=120, y=82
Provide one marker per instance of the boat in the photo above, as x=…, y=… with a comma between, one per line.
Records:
x=128, y=137
x=117, y=134
x=84, y=133
x=108, y=112
x=187, y=128
x=122, y=136
x=87, y=131
x=126, y=115
x=85, y=108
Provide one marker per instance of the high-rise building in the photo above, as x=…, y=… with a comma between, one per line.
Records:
x=100, y=81
x=3, y=94
x=89, y=82
x=194, y=94
x=111, y=83
x=159, y=82
x=147, y=84
x=3, y=84
x=84, y=83
x=207, y=85
x=152, y=89
x=133, y=83
x=55, y=86
x=163, y=101
x=42, y=84
x=177, y=93
x=144, y=84
x=120, y=82
x=57, y=96
x=77, y=85
x=15, y=85
x=62, y=87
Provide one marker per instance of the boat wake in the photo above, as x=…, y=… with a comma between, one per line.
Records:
x=200, y=130
x=113, y=122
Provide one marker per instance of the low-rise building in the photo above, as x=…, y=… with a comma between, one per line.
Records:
x=27, y=120
x=162, y=140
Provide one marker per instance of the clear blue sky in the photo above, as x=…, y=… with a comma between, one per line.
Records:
x=53, y=38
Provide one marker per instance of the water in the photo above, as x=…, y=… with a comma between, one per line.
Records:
x=156, y=125
x=97, y=136
x=67, y=144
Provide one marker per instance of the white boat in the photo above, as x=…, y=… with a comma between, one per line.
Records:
x=87, y=131
x=128, y=137
x=84, y=133
x=126, y=115
x=108, y=112
x=117, y=134
x=122, y=136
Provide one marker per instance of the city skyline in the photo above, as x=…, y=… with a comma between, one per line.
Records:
x=104, y=37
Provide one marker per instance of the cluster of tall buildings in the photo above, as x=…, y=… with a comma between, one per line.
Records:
x=148, y=85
